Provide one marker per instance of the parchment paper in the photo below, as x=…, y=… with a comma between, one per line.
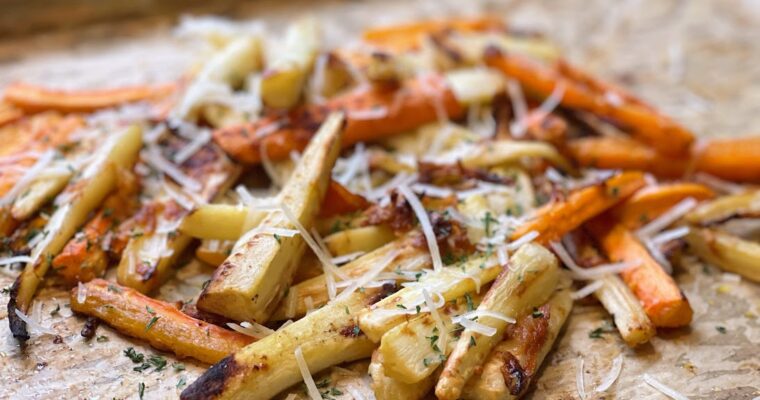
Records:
x=698, y=61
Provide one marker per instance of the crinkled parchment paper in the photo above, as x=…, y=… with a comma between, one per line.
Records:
x=697, y=60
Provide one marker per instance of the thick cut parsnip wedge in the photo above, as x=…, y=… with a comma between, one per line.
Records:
x=726, y=251
x=512, y=365
x=472, y=45
x=387, y=388
x=221, y=221
x=409, y=353
x=326, y=337
x=631, y=321
x=230, y=67
x=364, y=239
x=621, y=303
x=283, y=80
x=161, y=324
x=449, y=283
x=743, y=205
x=529, y=282
x=253, y=279
x=406, y=256
x=38, y=194
x=75, y=203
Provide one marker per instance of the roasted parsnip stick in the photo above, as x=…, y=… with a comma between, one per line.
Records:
x=253, y=279
x=553, y=220
x=81, y=197
x=387, y=388
x=326, y=337
x=160, y=324
x=285, y=76
x=450, y=283
x=364, y=239
x=407, y=257
x=411, y=352
x=744, y=205
x=512, y=365
x=529, y=281
x=631, y=320
x=228, y=67
x=726, y=251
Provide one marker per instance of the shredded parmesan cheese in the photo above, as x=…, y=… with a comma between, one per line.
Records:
x=197, y=143
x=580, y=384
x=437, y=318
x=154, y=158
x=672, y=234
x=252, y=329
x=587, y=290
x=612, y=375
x=29, y=176
x=33, y=324
x=477, y=327
x=311, y=387
x=484, y=313
x=368, y=276
x=347, y=257
x=667, y=218
x=589, y=273
x=517, y=128
x=427, y=227
x=662, y=388
x=81, y=293
x=524, y=239
x=15, y=260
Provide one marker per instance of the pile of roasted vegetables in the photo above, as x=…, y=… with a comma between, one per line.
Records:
x=410, y=198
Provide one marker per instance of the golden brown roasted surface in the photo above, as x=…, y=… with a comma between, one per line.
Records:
x=617, y=42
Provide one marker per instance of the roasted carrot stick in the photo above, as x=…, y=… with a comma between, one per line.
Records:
x=9, y=113
x=86, y=255
x=37, y=98
x=372, y=113
x=582, y=92
x=339, y=200
x=658, y=293
x=624, y=153
x=651, y=201
x=735, y=159
x=161, y=324
x=405, y=37
x=555, y=219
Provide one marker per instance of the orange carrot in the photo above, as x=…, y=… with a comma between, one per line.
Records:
x=583, y=92
x=651, y=201
x=736, y=159
x=554, y=220
x=405, y=37
x=623, y=153
x=372, y=112
x=9, y=113
x=658, y=293
x=339, y=200
x=161, y=324
x=36, y=98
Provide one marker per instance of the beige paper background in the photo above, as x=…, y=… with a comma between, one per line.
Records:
x=698, y=61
